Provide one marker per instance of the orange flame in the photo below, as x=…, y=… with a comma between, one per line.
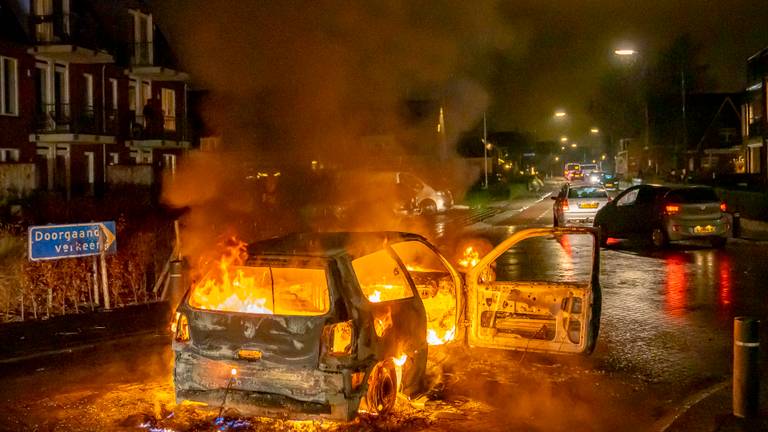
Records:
x=470, y=258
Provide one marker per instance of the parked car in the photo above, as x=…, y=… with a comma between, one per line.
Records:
x=662, y=214
x=330, y=324
x=578, y=205
x=426, y=199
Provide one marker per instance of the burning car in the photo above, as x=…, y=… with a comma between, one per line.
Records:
x=331, y=324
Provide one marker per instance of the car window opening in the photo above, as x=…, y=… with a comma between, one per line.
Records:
x=264, y=290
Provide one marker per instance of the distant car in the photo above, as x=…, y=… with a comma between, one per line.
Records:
x=662, y=214
x=328, y=324
x=426, y=199
x=576, y=176
x=571, y=168
x=609, y=182
x=587, y=169
x=595, y=177
x=577, y=205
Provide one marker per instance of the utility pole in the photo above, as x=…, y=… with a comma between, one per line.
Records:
x=485, y=150
x=685, y=124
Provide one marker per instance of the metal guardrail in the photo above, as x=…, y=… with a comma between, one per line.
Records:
x=65, y=118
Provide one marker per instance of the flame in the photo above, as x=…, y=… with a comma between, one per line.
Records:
x=399, y=363
x=375, y=297
x=384, y=293
x=434, y=339
x=470, y=258
x=382, y=322
x=231, y=286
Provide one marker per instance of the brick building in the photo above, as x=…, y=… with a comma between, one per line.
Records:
x=98, y=98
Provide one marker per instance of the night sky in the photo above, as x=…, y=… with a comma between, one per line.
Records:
x=530, y=57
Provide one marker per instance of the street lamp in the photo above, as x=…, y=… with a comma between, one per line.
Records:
x=563, y=139
x=594, y=130
x=560, y=114
x=574, y=145
x=625, y=52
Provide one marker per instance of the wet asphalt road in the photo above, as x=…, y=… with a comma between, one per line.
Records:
x=665, y=334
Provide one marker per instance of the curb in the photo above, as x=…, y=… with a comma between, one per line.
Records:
x=667, y=421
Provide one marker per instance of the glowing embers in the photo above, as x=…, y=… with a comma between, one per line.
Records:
x=382, y=322
x=232, y=287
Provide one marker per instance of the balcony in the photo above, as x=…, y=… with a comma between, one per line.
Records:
x=53, y=38
x=147, y=62
x=142, y=54
x=166, y=131
x=65, y=123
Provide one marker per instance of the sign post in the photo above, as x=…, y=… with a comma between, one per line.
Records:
x=50, y=242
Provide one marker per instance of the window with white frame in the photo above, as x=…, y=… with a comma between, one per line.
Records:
x=142, y=35
x=168, y=99
x=114, y=158
x=9, y=86
x=9, y=155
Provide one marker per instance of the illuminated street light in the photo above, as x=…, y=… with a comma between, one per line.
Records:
x=562, y=147
x=594, y=130
x=625, y=52
x=557, y=158
x=574, y=145
x=560, y=114
x=602, y=157
x=564, y=139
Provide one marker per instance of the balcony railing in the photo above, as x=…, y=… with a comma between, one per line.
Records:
x=51, y=28
x=63, y=118
x=142, y=54
x=164, y=128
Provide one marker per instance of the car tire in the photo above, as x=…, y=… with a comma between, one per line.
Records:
x=659, y=238
x=382, y=390
x=718, y=242
x=428, y=207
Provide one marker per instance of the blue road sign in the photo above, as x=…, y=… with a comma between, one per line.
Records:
x=49, y=242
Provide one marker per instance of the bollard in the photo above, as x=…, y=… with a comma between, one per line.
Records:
x=746, y=374
x=175, y=283
x=736, y=229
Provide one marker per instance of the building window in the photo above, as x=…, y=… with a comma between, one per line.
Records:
x=9, y=155
x=114, y=158
x=168, y=99
x=9, y=86
x=142, y=36
x=113, y=88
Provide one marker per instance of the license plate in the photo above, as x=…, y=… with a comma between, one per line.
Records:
x=698, y=229
x=588, y=205
x=247, y=354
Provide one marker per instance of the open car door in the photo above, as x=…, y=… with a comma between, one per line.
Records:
x=537, y=291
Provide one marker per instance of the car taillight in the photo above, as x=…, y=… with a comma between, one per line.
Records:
x=672, y=209
x=339, y=338
x=723, y=207
x=181, y=328
x=564, y=205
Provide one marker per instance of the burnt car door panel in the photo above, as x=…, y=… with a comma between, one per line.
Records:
x=537, y=291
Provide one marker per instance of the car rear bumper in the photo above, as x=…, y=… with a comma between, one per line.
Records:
x=579, y=219
x=681, y=229
x=259, y=389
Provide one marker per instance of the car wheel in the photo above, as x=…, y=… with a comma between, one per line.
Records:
x=382, y=389
x=659, y=237
x=428, y=207
x=718, y=242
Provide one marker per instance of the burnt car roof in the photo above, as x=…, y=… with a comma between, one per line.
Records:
x=329, y=244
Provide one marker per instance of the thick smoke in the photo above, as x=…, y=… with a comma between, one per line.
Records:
x=294, y=82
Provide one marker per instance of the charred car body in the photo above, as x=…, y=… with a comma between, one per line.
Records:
x=328, y=325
